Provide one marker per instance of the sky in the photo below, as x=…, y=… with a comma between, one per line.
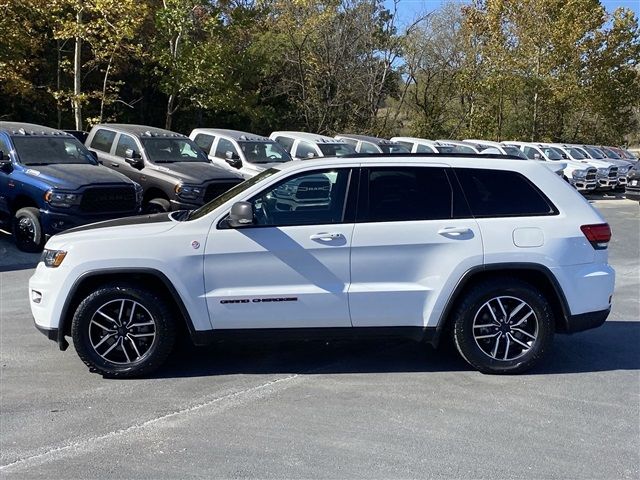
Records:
x=408, y=9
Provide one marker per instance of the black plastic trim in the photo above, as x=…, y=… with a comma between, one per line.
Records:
x=65, y=319
x=50, y=333
x=586, y=321
x=426, y=334
x=506, y=267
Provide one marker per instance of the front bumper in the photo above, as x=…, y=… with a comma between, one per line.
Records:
x=607, y=183
x=584, y=185
x=632, y=193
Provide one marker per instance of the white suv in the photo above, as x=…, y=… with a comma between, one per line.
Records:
x=303, y=145
x=499, y=254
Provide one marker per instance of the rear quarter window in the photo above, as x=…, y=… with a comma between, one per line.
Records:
x=102, y=140
x=500, y=193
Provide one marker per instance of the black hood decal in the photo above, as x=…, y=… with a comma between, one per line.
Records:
x=121, y=222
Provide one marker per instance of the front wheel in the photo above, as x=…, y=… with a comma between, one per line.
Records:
x=27, y=230
x=157, y=205
x=503, y=326
x=123, y=331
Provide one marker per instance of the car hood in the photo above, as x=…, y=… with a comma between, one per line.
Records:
x=74, y=176
x=138, y=226
x=195, y=172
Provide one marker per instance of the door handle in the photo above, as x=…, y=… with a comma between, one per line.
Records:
x=454, y=230
x=325, y=236
x=115, y=164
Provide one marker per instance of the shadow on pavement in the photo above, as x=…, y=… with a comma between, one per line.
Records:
x=12, y=259
x=614, y=346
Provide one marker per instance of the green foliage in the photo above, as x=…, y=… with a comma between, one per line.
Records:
x=498, y=69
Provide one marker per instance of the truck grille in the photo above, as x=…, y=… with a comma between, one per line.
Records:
x=118, y=199
x=613, y=173
x=591, y=175
x=214, y=190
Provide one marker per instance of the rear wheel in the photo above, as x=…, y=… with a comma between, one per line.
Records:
x=123, y=331
x=27, y=230
x=503, y=326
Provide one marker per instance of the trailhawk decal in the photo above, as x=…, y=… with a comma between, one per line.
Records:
x=260, y=300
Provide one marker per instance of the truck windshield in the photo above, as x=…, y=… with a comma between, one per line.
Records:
x=264, y=152
x=229, y=194
x=576, y=154
x=594, y=152
x=51, y=150
x=552, y=153
x=336, y=149
x=170, y=150
x=394, y=148
x=515, y=151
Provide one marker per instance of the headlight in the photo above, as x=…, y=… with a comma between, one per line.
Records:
x=61, y=199
x=139, y=193
x=603, y=171
x=188, y=192
x=579, y=173
x=53, y=258
x=623, y=170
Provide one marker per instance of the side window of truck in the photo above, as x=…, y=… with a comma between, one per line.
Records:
x=102, y=140
x=125, y=142
x=4, y=147
x=204, y=141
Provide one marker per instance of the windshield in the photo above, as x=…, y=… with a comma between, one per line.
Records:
x=576, y=154
x=610, y=153
x=394, y=148
x=229, y=194
x=170, y=150
x=51, y=151
x=264, y=152
x=594, y=152
x=515, y=151
x=336, y=149
x=552, y=153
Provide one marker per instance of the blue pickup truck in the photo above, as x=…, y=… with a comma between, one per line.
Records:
x=50, y=182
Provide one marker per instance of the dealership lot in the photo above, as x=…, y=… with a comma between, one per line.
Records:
x=375, y=409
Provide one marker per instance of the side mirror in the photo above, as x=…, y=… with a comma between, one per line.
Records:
x=241, y=215
x=133, y=158
x=233, y=159
x=311, y=155
x=5, y=162
x=536, y=156
x=94, y=155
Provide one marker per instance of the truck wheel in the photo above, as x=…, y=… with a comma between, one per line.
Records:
x=27, y=230
x=503, y=326
x=157, y=205
x=123, y=331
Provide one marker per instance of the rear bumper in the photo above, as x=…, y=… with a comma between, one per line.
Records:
x=586, y=321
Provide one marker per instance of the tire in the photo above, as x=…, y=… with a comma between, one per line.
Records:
x=479, y=314
x=122, y=351
x=27, y=230
x=157, y=205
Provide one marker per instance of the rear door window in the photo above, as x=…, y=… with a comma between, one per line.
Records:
x=204, y=141
x=286, y=142
x=394, y=194
x=103, y=140
x=500, y=193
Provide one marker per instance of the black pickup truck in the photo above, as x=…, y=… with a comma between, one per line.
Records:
x=50, y=182
x=173, y=171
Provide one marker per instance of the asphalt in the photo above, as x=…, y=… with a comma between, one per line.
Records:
x=314, y=410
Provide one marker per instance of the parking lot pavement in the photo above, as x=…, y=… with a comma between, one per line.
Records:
x=357, y=410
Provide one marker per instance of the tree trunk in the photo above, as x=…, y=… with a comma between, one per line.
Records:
x=77, y=71
x=58, y=82
x=170, y=111
x=104, y=85
x=534, y=120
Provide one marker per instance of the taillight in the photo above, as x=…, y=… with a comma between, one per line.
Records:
x=598, y=235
